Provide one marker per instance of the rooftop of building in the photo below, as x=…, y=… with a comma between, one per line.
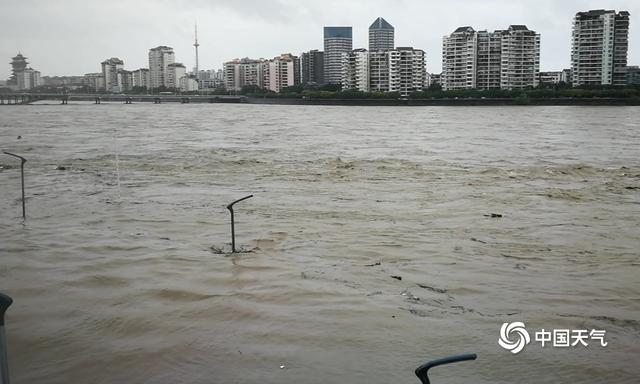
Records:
x=464, y=29
x=113, y=61
x=161, y=48
x=338, y=32
x=382, y=24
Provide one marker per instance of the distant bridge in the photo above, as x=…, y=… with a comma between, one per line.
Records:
x=28, y=98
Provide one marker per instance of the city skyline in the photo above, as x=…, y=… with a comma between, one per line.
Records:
x=285, y=27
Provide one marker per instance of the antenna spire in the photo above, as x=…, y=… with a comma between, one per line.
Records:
x=195, y=44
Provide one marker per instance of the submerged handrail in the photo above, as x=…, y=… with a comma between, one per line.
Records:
x=22, y=161
x=423, y=371
x=5, y=303
x=233, y=229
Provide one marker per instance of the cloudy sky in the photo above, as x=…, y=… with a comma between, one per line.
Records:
x=72, y=37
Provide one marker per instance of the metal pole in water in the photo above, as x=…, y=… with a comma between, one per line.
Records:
x=233, y=229
x=5, y=302
x=423, y=371
x=22, y=161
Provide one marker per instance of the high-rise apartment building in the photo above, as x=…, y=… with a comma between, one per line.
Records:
x=337, y=40
x=520, y=54
x=142, y=78
x=401, y=70
x=175, y=71
x=244, y=72
x=503, y=59
x=94, y=81
x=407, y=70
x=281, y=72
x=312, y=67
x=488, y=60
x=110, y=68
x=159, y=60
x=125, y=80
x=381, y=35
x=355, y=70
x=600, y=45
x=459, y=59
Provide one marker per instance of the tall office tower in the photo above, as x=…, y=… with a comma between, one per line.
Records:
x=282, y=71
x=110, y=68
x=520, y=67
x=488, y=60
x=355, y=70
x=458, y=59
x=159, y=60
x=312, y=66
x=381, y=35
x=337, y=40
x=600, y=45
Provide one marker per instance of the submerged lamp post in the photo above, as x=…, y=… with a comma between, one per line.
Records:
x=23, y=160
x=233, y=230
x=5, y=302
x=423, y=370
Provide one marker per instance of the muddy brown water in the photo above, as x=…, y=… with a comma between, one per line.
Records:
x=129, y=280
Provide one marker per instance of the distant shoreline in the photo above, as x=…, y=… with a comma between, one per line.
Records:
x=449, y=102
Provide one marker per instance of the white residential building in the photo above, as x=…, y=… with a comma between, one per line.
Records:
x=110, y=68
x=355, y=70
x=28, y=79
x=175, y=72
x=282, y=71
x=459, y=59
x=407, y=70
x=142, y=78
x=188, y=84
x=94, y=81
x=159, y=60
x=600, y=45
x=505, y=59
x=125, y=80
x=520, y=54
x=244, y=72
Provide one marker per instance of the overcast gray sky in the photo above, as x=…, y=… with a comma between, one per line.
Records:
x=72, y=37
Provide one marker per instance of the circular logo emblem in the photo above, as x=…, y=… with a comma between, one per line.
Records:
x=513, y=337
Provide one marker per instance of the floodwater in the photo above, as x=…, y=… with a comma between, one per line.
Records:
x=122, y=271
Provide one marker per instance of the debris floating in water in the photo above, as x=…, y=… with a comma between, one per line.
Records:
x=397, y=277
x=494, y=215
